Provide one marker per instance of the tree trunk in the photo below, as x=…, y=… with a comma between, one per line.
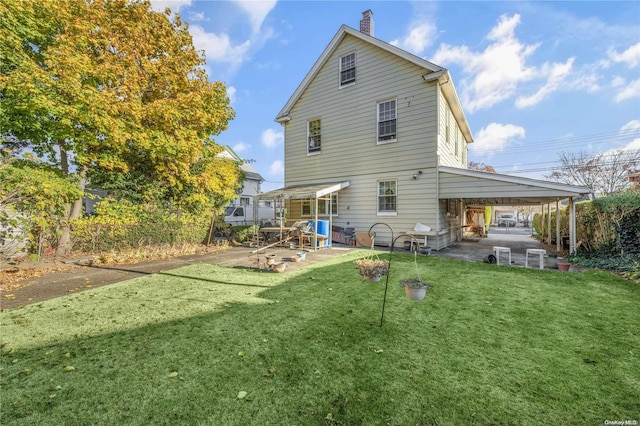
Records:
x=73, y=210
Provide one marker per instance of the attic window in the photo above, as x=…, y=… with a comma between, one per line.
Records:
x=348, y=69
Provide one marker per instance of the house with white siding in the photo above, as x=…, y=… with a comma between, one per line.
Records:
x=375, y=134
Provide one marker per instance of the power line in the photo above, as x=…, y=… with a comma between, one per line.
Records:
x=618, y=136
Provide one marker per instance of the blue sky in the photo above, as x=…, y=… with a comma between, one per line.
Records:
x=534, y=78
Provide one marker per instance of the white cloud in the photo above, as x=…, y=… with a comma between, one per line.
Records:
x=419, y=37
x=631, y=126
x=276, y=168
x=493, y=75
x=631, y=56
x=197, y=17
x=272, y=138
x=241, y=147
x=631, y=90
x=556, y=76
x=174, y=5
x=218, y=48
x=630, y=129
x=231, y=93
x=495, y=137
x=618, y=81
x=257, y=11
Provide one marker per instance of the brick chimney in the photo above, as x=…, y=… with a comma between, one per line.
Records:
x=366, y=23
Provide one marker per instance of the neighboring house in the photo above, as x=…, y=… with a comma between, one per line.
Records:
x=376, y=134
x=250, y=186
x=252, y=179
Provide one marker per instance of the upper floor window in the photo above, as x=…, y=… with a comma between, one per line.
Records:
x=387, y=197
x=348, y=69
x=313, y=136
x=245, y=201
x=387, y=121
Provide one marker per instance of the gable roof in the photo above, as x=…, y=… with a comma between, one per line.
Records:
x=249, y=171
x=432, y=72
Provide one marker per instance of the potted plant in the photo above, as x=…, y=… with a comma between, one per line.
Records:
x=563, y=266
x=372, y=269
x=415, y=288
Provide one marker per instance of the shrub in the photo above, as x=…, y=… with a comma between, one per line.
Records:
x=242, y=233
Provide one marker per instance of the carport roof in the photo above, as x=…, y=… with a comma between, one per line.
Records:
x=302, y=191
x=484, y=188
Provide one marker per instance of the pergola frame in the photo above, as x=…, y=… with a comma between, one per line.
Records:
x=315, y=192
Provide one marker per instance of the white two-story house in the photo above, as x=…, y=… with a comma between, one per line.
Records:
x=376, y=134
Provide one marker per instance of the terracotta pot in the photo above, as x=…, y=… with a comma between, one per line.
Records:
x=279, y=267
x=564, y=266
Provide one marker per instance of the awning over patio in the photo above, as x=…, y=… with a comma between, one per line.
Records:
x=302, y=191
x=483, y=188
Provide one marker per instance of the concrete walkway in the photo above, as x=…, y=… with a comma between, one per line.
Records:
x=478, y=250
x=79, y=278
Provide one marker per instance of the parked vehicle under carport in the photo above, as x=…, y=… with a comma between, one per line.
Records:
x=506, y=220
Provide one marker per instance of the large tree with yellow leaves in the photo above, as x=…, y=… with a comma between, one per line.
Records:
x=105, y=88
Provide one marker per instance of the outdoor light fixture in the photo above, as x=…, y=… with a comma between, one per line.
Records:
x=417, y=174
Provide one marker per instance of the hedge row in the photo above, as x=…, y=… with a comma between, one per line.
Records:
x=607, y=226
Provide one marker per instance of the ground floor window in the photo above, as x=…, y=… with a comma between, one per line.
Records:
x=387, y=196
x=307, y=206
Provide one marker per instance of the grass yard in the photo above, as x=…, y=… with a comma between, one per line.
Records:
x=211, y=345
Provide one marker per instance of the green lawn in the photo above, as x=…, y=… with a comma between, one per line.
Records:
x=211, y=345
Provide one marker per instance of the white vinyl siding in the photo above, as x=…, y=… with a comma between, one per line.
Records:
x=451, y=140
x=348, y=69
x=387, y=121
x=349, y=127
x=349, y=122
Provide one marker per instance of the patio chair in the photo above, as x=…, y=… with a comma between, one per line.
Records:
x=347, y=235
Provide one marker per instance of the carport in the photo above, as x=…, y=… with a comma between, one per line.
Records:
x=492, y=189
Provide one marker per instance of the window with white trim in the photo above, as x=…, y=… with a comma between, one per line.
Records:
x=323, y=206
x=387, y=197
x=348, y=69
x=314, y=138
x=387, y=121
x=245, y=201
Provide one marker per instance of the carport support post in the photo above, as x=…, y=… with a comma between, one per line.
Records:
x=558, y=226
x=572, y=226
x=549, y=223
x=542, y=222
